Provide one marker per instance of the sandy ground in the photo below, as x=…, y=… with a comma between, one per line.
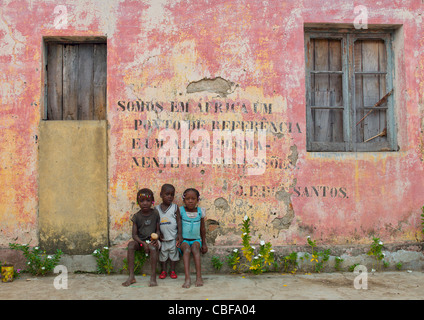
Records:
x=333, y=286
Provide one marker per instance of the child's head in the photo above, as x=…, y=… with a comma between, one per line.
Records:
x=145, y=199
x=191, y=197
x=167, y=193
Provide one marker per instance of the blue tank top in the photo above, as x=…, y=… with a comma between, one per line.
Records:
x=190, y=226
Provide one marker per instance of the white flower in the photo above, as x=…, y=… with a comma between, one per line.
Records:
x=308, y=237
x=95, y=251
x=272, y=250
x=380, y=243
x=29, y=262
x=383, y=254
x=262, y=243
x=106, y=248
x=235, y=250
x=253, y=247
x=259, y=255
x=35, y=248
x=246, y=217
x=244, y=233
x=49, y=257
x=372, y=270
x=147, y=241
x=255, y=258
x=42, y=268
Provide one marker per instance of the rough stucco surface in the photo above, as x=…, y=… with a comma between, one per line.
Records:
x=164, y=53
x=73, y=186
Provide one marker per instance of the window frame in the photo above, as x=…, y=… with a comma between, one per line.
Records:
x=348, y=38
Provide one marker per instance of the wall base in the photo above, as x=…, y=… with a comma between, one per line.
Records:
x=407, y=256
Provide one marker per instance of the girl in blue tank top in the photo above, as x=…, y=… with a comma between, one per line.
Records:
x=194, y=235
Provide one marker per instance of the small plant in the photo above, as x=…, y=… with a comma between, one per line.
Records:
x=38, y=262
x=233, y=260
x=337, y=263
x=353, y=266
x=217, y=263
x=318, y=257
x=399, y=266
x=313, y=244
x=321, y=258
x=17, y=273
x=104, y=262
x=290, y=263
x=267, y=254
x=255, y=265
x=376, y=251
x=140, y=257
x=265, y=257
x=247, y=249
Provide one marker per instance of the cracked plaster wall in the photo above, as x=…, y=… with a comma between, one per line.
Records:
x=247, y=53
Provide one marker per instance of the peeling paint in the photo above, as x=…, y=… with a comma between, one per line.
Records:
x=216, y=85
x=222, y=204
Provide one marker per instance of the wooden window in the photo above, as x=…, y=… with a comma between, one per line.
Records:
x=349, y=91
x=76, y=81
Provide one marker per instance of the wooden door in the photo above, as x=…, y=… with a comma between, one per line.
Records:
x=73, y=213
x=76, y=81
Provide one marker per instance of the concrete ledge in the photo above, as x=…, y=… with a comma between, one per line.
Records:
x=409, y=255
x=79, y=263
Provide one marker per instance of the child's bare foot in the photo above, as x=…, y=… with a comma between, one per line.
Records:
x=199, y=282
x=187, y=283
x=129, y=282
x=153, y=282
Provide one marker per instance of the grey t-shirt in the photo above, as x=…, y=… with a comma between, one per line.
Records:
x=146, y=223
x=168, y=222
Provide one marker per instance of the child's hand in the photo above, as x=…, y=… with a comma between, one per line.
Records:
x=154, y=243
x=145, y=246
x=204, y=248
x=178, y=241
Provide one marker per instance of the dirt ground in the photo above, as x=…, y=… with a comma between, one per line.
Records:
x=400, y=285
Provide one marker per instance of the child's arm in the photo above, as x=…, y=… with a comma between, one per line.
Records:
x=135, y=233
x=155, y=242
x=158, y=229
x=179, y=228
x=136, y=237
x=204, y=248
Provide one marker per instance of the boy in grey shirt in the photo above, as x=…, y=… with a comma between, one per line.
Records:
x=170, y=230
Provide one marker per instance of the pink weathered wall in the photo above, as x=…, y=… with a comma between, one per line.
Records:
x=157, y=50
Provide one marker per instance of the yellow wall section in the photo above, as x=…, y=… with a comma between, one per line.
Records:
x=73, y=185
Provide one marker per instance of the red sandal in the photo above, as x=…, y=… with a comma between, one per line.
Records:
x=173, y=275
x=162, y=275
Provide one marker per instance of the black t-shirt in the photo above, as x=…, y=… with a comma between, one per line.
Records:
x=146, y=223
